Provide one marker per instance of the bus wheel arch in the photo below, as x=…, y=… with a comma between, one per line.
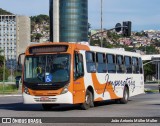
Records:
x=125, y=97
x=89, y=99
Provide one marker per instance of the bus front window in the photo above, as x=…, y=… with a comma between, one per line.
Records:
x=47, y=68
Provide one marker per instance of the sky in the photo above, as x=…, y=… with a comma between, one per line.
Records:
x=144, y=14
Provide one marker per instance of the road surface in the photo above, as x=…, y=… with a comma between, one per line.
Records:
x=144, y=105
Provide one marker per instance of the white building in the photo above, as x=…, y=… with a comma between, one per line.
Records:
x=14, y=37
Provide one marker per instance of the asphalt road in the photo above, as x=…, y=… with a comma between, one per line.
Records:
x=153, y=86
x=144, y=105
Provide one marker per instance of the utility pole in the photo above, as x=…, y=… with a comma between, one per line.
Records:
x=101, y=23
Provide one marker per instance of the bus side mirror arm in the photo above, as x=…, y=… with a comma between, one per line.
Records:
x=19, y=59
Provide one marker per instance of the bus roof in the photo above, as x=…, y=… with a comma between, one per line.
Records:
x=80, y=46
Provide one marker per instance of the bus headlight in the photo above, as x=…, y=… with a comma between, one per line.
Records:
x=26, y=90
x=65, y=90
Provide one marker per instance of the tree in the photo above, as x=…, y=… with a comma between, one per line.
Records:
x=149, y=70
x=95, y=42
x=113, y=36
x=1, y=60
x=4, y=12
x=2, y=69
x=128, y=48
x=6, y=73
x=38, y=36
x=149, y=49
x=39, y=19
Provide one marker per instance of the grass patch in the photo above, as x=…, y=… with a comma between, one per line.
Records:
x=151, y=82
x=8, y=89
x=151, y=91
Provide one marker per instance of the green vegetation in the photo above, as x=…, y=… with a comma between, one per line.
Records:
x=1, y=69
x=112, y=36
x=1, y=60
x=39, y=24
x=149, y=70
x=151, y=91
x=7, y=73
x=4, y=12
x=149, y=49
x=38, y=36
x=40, y=19
x=8, y=89
x=141, y=34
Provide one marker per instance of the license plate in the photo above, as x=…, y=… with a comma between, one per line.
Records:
x=44, y=98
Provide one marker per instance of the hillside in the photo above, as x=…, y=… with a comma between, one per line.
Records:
x=4, y=12
x=39, y=28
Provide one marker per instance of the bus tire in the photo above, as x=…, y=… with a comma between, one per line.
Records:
x=125, y=98
x=88, y=101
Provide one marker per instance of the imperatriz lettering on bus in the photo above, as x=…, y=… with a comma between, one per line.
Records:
x=129, y=81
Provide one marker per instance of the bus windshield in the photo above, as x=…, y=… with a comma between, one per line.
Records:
x=53, y=68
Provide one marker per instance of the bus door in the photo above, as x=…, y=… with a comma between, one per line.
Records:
x=78, y=82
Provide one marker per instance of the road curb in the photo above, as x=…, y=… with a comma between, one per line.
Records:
x=10, y=95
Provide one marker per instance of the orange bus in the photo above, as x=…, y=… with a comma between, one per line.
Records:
x=72, y=73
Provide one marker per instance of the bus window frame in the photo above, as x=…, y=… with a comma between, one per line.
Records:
x=114, y=63
x=129, y=64
x=134, y=67
x=89, y=62
x=121, y=66
x=79, y=60
x=140, y=67
x=101, y=63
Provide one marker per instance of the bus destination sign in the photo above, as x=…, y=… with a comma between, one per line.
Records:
x=48, y=49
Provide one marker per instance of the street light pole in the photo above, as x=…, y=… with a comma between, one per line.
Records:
x=101, y=23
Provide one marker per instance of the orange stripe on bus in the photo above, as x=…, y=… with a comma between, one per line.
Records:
x=98, y=85
x=98, y=99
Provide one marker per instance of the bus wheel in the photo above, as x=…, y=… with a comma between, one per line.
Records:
x=47, y=106
x=88, y=101
x=125, y=98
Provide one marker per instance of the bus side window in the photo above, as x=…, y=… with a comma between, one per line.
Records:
x=101, y=63
x=120, y=65
x=91, y=64
x=78, y=66
x=128, y=64
x=140, y=65
x=135, y=65
x=111, y=63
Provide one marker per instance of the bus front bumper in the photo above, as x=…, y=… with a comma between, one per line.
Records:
x=66, y=98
